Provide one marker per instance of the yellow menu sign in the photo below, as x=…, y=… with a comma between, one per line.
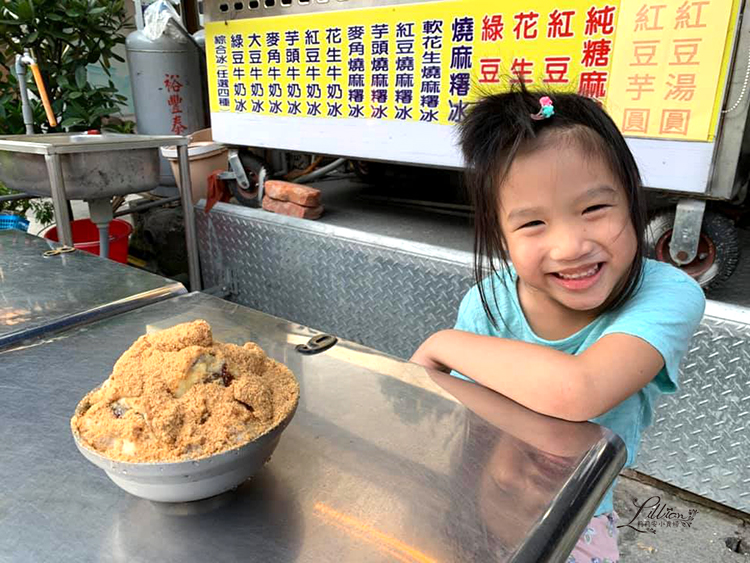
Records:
x=426, y=62
x=667, y=65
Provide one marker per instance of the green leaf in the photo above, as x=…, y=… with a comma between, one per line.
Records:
x=64, y=36
x=81, y=76
x=60, y=35
x=25, y=11
x=76, y=110
x=71, y=122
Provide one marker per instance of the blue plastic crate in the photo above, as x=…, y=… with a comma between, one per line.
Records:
x=8, y=221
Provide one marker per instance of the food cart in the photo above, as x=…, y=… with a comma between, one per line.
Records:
x=386, y=80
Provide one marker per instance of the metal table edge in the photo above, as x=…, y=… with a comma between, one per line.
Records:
x=94, y=314
x=44, y=148
x=569, y=503
x=122, y=145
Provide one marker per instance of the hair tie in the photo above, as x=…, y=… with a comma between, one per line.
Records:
x=547, y=109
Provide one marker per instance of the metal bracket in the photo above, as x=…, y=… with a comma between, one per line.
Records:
x=317, y=344
x=239, y=171
x=59, y=250
x=686, y=231
x=261, y=184
x=227, y=287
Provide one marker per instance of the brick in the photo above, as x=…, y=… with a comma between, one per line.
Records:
x=291, y=209
x=294, y=193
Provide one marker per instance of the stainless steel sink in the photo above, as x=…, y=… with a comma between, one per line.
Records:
x=93, y=166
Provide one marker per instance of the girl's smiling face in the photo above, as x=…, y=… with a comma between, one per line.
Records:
x=567, y=228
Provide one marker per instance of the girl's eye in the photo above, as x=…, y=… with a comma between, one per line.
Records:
x=595, y=208
x=531, y=224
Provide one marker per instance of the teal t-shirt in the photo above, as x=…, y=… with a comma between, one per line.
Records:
x=665, y=311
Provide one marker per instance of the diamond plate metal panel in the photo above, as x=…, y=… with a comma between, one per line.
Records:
x=700, y=438
x=378, y=291
x=390, y=294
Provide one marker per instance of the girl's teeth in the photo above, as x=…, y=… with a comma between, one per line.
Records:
x=585, y=274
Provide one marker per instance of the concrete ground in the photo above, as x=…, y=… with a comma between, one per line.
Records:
x=704, y=542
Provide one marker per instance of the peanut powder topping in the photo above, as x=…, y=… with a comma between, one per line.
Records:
x=177, y=395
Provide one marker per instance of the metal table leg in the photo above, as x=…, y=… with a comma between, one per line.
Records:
x=60, y=202
x=186, y=192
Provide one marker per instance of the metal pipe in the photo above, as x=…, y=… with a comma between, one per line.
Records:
x=28, y=115
x=186, y=191
x=100, y=211
x=328, y=168
x=139, y=25
x=59, y=200
x=145, y=206
x=103, y=240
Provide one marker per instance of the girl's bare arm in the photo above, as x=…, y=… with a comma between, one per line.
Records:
x=548, y=381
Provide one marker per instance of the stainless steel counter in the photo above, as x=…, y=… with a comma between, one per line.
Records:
x=382, y=462
x=39, y=294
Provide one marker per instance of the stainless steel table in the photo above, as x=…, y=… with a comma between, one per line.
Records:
x=382, y=462
x=40, y=295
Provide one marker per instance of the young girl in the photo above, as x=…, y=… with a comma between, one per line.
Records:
x=571, y=321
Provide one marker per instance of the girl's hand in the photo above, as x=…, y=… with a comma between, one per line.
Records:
x=424, y=356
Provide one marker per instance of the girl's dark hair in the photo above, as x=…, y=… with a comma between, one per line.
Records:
x=499, y=127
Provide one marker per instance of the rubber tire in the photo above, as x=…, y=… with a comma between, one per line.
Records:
x=716, y=227
x=253, y=166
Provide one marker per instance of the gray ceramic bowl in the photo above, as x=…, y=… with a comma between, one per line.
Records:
x=184, y=481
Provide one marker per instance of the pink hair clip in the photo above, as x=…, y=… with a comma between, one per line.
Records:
x=546, y=110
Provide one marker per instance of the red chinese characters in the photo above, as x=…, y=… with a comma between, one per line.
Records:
x=522, y=70
x=492, y=27
x=635, y=120
x=689, y=15
x=556, y=70
x=648, y=17
x=559, y=24
x=675, y=122
x=600, y=21
x=680, y=54
x=174, y=101
x=526, y=25
x=593, y=84
x=681, y=87
x=596, y=51
x=489, y=70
